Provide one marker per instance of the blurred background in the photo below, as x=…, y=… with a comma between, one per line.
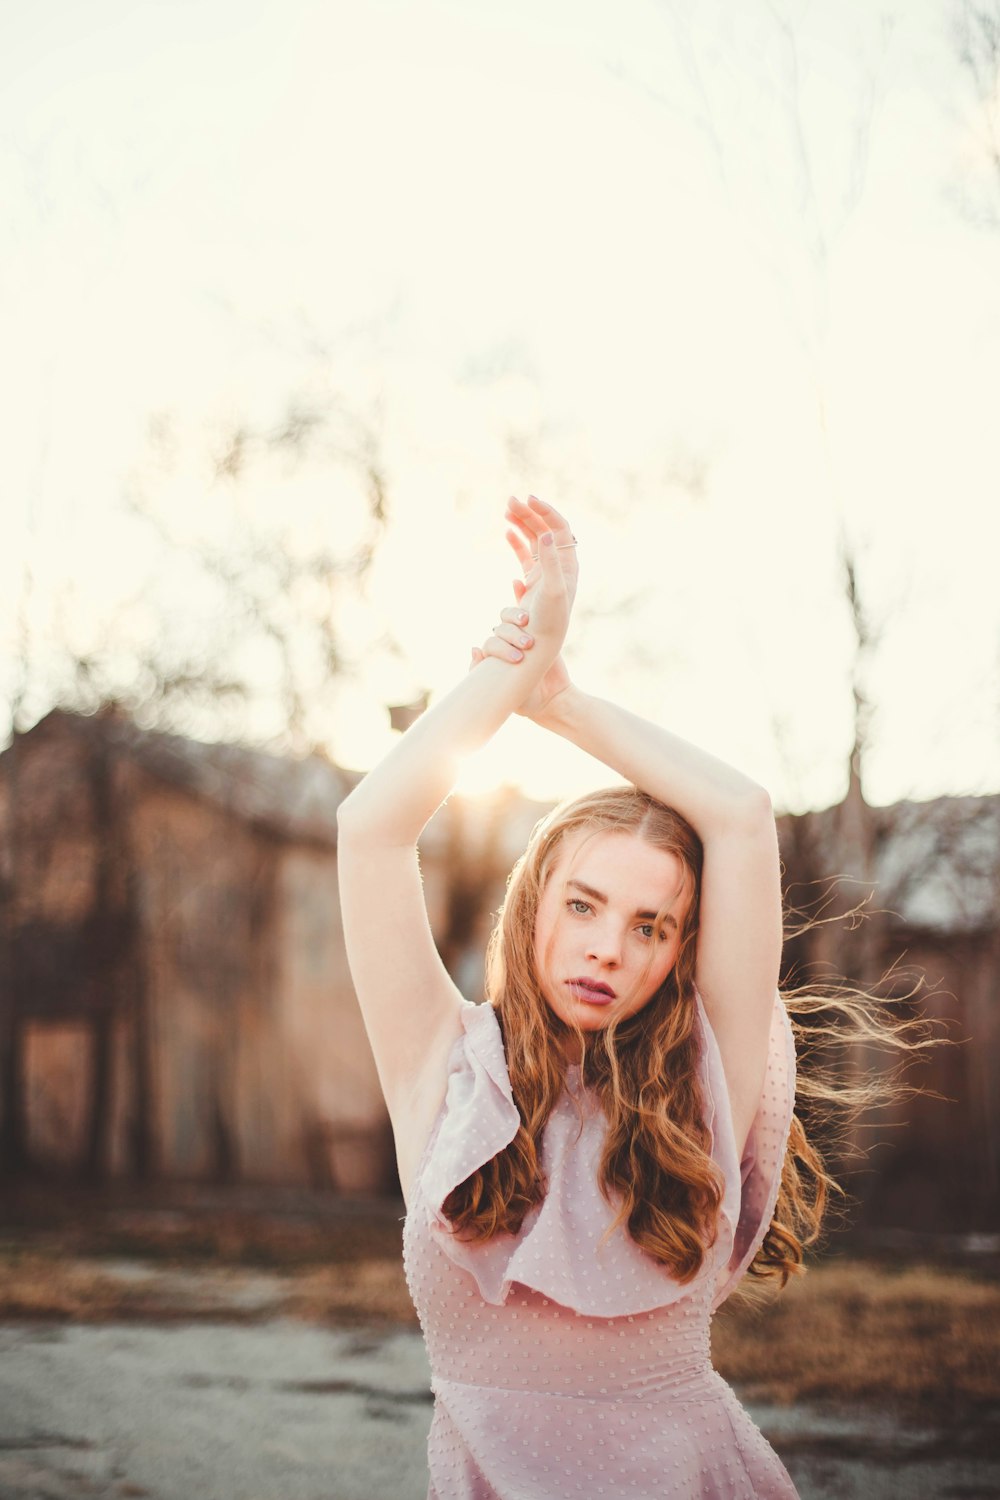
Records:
x=293, y=296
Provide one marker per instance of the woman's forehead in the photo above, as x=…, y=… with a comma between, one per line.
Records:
x=619, y=863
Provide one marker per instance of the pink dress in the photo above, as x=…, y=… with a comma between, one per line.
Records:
x=564, y=1368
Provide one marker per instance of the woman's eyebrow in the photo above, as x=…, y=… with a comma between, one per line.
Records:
x=599, y=896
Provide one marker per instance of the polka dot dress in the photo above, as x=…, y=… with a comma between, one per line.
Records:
x=564, y=1367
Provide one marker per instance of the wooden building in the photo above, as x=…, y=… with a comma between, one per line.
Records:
x=926, y=877
x=175, y=1001
x=174, y=994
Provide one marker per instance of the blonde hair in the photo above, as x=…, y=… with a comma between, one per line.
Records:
x=645, y=1069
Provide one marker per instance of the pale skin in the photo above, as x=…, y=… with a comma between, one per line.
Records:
x=610, y=917
x=601, y=935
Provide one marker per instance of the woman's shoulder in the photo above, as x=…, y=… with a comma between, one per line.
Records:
x=568, y=1247
x=753, y=1174
x=464, y=1077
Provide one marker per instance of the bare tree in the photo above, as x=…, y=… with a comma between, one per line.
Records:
x=267, y=586
x=751, y=111
x=976, y=33
x=264, y=623
x=762, y=176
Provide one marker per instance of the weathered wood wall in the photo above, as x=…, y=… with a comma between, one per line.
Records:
x=234, y=1045
x=175, y=1000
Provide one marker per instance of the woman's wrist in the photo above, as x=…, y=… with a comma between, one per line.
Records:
x=562, y=710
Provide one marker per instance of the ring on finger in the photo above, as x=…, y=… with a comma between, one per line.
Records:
x=560, y=547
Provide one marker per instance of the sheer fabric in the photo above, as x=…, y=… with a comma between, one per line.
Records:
x=561, y=1366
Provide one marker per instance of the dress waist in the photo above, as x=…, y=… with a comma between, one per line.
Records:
x=698, y=1387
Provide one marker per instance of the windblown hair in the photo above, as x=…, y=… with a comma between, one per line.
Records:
x=646, y=1072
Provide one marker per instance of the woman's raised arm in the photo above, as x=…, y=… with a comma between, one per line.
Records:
x=409, y=1002
x=395, y=800
x=740, y=926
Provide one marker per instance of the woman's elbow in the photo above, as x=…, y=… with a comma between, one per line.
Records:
x=753, y=810
x=367, y=818
x=353, y=815
x=759, y=801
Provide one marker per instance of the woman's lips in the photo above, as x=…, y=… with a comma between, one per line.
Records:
x=592, y=993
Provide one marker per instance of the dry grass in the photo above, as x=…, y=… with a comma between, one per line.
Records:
x=340, y=1263
x=918, y=1338
x=371, y=1292
x=45, y=1286
x=181, y=1235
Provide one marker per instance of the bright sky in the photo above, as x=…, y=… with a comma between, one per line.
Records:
x=580, y=249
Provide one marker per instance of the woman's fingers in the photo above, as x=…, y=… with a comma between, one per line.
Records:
x=522, y=550
x=538, y=516
x=535, y=535
x=509, y=641
x=513, y=632
x=502, y=650
x=552, y=574
x=546, y=549
x=550, y=517
x=530, y=524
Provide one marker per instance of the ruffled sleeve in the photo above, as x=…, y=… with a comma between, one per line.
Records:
x=479, y=1118
x=758, y=1174
x=559, y=1251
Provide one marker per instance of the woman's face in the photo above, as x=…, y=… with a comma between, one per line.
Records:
x=600, y=952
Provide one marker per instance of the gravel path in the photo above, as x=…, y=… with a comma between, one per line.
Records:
x=274, y=1411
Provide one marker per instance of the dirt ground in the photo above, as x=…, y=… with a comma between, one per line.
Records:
x=232, y=1351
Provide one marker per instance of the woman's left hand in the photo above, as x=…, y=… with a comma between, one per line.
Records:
x=528, y=523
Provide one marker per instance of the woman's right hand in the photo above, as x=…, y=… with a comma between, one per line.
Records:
x=545, y=596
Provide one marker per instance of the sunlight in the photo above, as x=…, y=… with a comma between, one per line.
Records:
x=707, y=416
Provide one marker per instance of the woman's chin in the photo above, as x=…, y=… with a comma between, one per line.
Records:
x=586, y=1017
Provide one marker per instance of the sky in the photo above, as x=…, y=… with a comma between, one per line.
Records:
x=716, y=280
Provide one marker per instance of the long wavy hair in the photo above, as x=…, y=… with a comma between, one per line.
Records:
x=656, y=1160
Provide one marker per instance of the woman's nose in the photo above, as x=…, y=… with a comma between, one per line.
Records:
x=605, y=945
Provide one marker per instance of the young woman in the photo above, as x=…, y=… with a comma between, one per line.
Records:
x=592, y=1159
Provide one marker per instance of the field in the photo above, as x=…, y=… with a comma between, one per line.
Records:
x=921, y=1339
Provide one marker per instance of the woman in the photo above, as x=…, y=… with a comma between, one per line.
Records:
x=590, y=1161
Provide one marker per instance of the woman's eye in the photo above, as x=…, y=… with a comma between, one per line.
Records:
x=578, y=907
x=648, y=930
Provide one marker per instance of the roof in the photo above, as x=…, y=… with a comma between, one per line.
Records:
x=292, y=798
x=936, y=863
